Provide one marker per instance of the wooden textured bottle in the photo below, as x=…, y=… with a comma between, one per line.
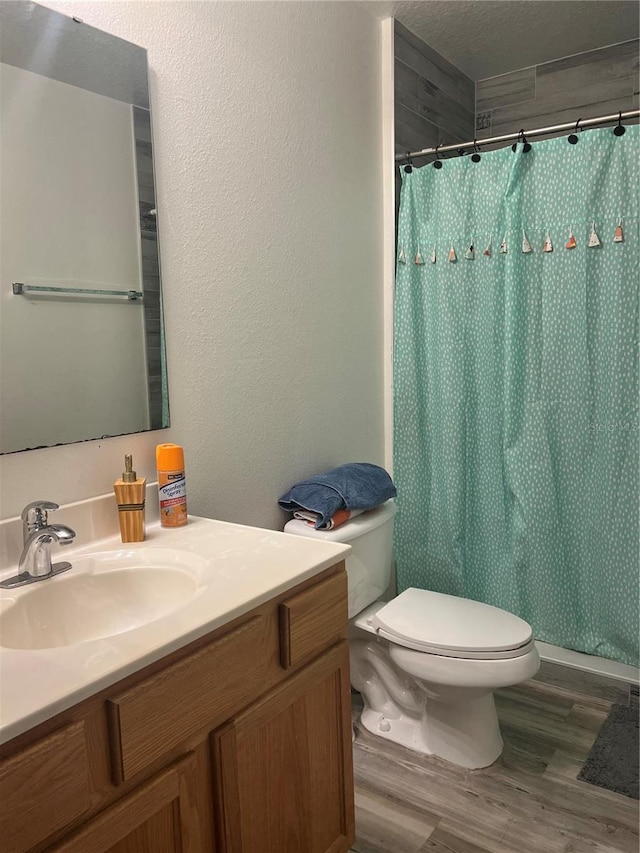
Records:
x=130, y=494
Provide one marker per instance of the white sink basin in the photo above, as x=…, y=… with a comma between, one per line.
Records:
x=102, y=595
x=122, y=607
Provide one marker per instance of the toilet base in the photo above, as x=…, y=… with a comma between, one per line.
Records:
x=467, y=735
x=456, y=722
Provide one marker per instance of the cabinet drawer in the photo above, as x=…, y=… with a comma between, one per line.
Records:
x=43, y=788
x=313, y=619
x=198, y=692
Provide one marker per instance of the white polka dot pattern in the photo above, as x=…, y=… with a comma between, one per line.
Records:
x=516, y=388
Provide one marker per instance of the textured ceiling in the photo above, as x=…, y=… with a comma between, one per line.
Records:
x=488, y=37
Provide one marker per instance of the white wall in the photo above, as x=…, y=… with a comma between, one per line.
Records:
x=69, y=217
x=268, y=132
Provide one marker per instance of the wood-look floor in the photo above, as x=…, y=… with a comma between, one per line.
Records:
x=529, y=801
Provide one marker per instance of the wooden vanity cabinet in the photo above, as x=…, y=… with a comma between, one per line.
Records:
x=238, y=743
x=280, y=766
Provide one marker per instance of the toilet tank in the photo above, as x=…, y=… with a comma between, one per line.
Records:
x=369, y=563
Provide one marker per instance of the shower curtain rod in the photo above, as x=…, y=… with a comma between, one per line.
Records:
x=507, y=137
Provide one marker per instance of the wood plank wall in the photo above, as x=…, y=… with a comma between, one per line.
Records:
x=597, y=82
x=434, y=101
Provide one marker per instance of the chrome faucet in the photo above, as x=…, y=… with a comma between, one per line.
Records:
x=35, y=561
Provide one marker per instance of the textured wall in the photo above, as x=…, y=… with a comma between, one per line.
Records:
x=267, y=118
x=597, y=82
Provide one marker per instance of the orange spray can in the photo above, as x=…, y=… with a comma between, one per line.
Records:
x=171, y=485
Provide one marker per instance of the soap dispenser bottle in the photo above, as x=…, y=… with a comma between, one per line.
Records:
x=130, y=494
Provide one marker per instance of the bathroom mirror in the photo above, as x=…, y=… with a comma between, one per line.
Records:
x=81, y=337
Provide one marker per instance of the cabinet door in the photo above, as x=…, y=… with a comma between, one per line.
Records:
x=44, y=788
x=158, y=817
x=284, y=767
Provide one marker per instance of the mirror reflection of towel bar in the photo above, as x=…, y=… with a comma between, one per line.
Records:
x=19, y=289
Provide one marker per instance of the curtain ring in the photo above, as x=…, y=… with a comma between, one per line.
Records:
x=526, y=146
x=408, y=167
x=437, y=164
x=619, y=129
x=514, y=147
x=573, y=138
x=475, y=157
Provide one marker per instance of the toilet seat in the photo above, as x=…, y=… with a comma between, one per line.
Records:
x=449, y=626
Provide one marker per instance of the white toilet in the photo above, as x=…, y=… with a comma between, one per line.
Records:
x=425, y=663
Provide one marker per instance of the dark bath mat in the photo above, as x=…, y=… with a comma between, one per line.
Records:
x=613, y=760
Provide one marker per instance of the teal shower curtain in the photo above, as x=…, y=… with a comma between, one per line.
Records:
x=516, y=386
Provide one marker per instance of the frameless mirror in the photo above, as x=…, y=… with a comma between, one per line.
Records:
x=81, y=336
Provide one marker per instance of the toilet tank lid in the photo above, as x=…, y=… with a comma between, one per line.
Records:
x=358, y=526
x=438, y=621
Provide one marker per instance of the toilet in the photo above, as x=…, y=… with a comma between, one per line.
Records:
x=425, y=663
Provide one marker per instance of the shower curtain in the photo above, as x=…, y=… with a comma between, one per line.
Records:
x=516, y=386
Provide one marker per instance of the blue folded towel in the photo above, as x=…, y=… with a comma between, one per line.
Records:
x=357, y=485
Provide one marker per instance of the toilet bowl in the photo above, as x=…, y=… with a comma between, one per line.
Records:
x=439, y=658
x=426, y=663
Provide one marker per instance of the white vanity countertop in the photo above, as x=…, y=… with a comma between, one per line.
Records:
x=249, y=565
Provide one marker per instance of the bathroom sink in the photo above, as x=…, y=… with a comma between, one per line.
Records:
x=101, y=596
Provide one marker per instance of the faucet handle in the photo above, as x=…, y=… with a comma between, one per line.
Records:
x=34, y=516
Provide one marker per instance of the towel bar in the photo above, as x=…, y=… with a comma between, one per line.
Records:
x=20, y=289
